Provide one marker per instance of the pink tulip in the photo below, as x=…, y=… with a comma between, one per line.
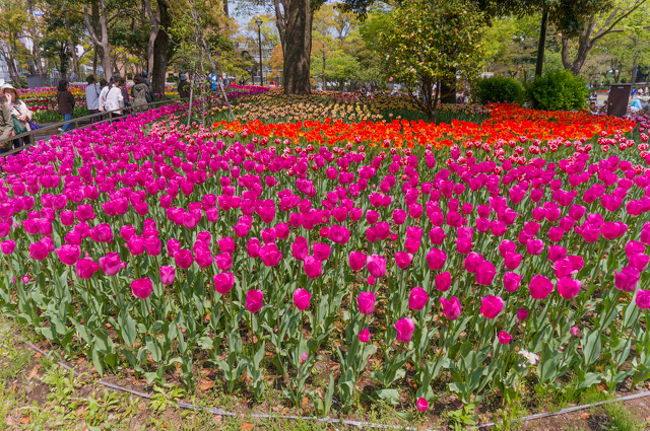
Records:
x=422, y=405
x=472, y=262
x=38, y=250
x=366, y=302
x=254, y=300
x=443, y=281
x=142, y=287
x=450, y=307
x=226, y=245
x=567, y=287
x=69, y=253
x=642, y=299
x=223, y=282
x=312, y=266
x=504, y=337
x=403, y=259
x=491, y=306
x=404, y=327
x=436, y=259
x=357, y=260
x=301, y=299
x=364, y=335
x=627, y=279
x=485, y=273
x=8, y=246
x=322, y=251
x=111, y=264
x=183, y=258
x=540, y=287
x=223, y=261
x=574, y=331
x=270, y=255
x=522, y=314
x=86, y=267
x=511, y=281
x=253, y=247
x=376, y=265
x=418, y=298
x=167, y=274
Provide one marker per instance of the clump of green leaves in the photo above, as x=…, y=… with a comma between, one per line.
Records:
x=558, y=91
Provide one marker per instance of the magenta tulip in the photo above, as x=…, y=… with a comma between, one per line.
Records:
x=111, y=264
x=504, y=337
x=223, y=282
x=540, y=287
x=404, y=327
x=450, y=307
x=418, y=298
x=357, y=260
x=643, y=299
x=69, y=253
x=142, y=287
x=443, y=281
x=167, y=274
x=86, y=267
x=376, y=265
x=567, y=287
x=627, y=279
x=511, y=281
x=254, y=300
x=364, y=335
x=312, y=266
x=491, y=306
x=301, y=299
x=436, y=259
x=422, y=404
x=366, y=302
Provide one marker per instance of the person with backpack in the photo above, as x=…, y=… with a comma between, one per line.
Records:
x=139, y=93
x=92, y=95
x=65, y=100
x=6, y=125
x=148, y=84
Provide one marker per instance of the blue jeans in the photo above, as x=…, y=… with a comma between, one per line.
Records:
x=69, y=126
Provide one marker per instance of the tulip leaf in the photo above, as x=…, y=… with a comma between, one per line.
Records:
x=591, y=346
x=391, y=396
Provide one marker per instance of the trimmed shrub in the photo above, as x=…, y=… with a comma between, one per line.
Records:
x=558, y=91
x=500, y=89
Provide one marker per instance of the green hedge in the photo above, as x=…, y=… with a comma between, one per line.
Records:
x=500, y=89
x=557, y=91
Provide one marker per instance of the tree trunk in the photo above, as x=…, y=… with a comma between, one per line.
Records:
x=160, y=46
x=36, y=50
x=100, y=40
x=155, y=29
x=294, y=24
x=539, y=65
x=448, y=91
x=225, y=7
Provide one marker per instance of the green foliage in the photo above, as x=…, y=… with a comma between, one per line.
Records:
x=500, y=89
x=559, y=90
x=428, y=42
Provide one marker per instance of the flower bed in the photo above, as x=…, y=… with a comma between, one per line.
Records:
x=486, y=260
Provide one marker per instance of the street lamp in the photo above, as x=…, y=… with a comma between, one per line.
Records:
x=259, y=40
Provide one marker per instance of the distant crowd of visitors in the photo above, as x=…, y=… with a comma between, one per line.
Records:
x=111, y=98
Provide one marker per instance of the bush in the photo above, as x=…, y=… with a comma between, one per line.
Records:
x=558, y=91
x=500, y=89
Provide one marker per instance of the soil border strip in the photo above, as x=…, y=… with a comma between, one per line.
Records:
x=327, y=419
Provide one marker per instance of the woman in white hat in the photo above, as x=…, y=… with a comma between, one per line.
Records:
x=19, y=112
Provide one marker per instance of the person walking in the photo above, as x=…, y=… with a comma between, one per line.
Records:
x=92, y=95
x=114, y=99
x=65, y=99
x=139, y=93
x=102, y=94
x=125, y=96
x=20, y=114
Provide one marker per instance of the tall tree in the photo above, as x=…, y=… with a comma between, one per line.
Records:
x=427, y=59
x=593, y=27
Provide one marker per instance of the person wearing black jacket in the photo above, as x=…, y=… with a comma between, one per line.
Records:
x=65, y=100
